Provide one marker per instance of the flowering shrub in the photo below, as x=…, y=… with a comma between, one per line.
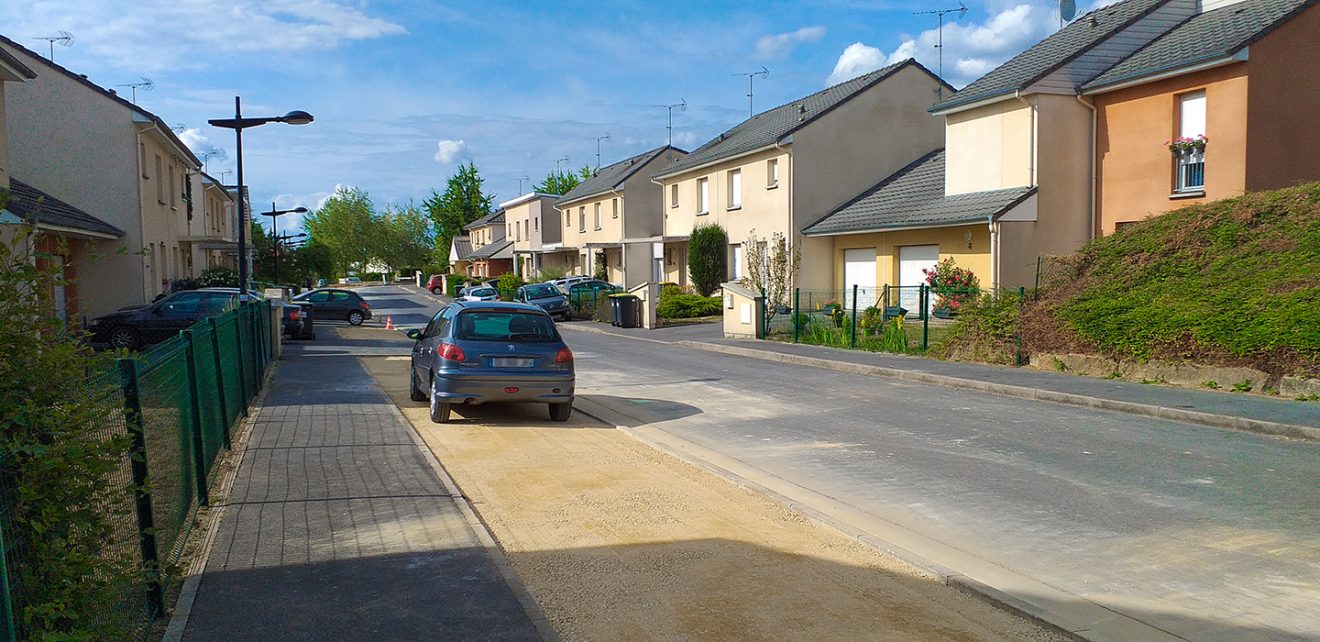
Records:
x=954, y=286
x=1185, y=145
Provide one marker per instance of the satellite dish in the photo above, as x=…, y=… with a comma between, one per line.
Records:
x=1067, y=9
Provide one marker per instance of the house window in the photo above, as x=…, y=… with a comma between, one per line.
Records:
x=1189, y=165
x=160, y=185
x=143, y=149
x=582, y=219
x=772, y=173
x=536, y=225
x=174, y=193
x=615, y=204
x=736, y=262
x=673, y=195
x=597, y=211
x=735, y=189
x=703, y=196
x=568, y=218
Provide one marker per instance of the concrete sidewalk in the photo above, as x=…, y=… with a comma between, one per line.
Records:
x=1281, y=417
x=341, y=526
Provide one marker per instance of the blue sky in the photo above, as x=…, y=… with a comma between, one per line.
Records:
x=404, y=90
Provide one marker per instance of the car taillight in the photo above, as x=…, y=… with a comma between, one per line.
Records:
x=295, y=314
x=363, y=305
x=450, y=352
x=564, y=356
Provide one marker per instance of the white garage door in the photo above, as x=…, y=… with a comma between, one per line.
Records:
x=859, y=270
x=912, y=261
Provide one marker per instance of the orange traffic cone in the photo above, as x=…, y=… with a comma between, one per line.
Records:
x=389, y=323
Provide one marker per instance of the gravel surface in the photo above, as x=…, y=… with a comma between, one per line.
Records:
x=616, y=540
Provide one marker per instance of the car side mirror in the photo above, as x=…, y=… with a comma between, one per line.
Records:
x=415, y=334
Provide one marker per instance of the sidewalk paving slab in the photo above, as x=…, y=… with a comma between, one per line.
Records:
x=339, y=527
x=1280, y=417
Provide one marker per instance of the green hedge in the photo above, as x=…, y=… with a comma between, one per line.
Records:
x=688, y=306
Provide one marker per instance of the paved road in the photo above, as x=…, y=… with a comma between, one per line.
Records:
x=1207, y=534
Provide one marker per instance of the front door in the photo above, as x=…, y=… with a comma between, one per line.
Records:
x=859, y=270
x=913, y=261
x=58, y=294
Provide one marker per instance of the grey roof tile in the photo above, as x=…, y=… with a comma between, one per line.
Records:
x=22, y=69
x=36, y=207
x=1202, y=38
x=490, y=250
x=613, y=176
x=773, y=125
x=914, y=197
x=463, y=248
x=490, y=219
x=1051, y=53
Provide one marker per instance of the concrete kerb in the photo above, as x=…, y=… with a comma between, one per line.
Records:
x=1245, y=424
x=188, y=592
x=511, y=577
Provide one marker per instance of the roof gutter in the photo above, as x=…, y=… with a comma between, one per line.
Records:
x=953, y=109
x=73, y=230
x=901, y=227
x=1031, y=155
x=1091, y=161
x=1238, y=56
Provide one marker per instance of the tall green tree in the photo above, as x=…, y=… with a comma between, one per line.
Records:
x=405, y=237
x=708, y=259
x=461, y=203
x=345, y=225
x=559, y=182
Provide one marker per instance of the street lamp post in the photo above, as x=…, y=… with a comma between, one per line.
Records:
x=238, y=123
x=279, y=246
x=274, y=215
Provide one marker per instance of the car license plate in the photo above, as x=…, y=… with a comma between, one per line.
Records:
x=510, y=362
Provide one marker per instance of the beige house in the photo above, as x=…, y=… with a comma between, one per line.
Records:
x=210, y=238
x=492, y=253
x=615, y=220
x=116, y=163
x=784, y=168
x=531, y=222
x=460, y=255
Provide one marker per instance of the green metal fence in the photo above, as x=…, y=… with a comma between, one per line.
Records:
x=887, y=318
x=178, y=402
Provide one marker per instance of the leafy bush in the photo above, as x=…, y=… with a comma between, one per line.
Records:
x=708, y=258
x=871, y=320
x=953, y=286
x=218, y=277
x=550, y=274
x=60, y=463
x=688, y=306
x=986, y=330
x=454, y=283
x=602, y=272
x=894, y=338
x=508, y=285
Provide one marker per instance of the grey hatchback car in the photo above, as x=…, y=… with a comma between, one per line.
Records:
x=475, y=352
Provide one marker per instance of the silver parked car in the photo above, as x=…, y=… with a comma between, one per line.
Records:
x=482, y=293
x=475, y=352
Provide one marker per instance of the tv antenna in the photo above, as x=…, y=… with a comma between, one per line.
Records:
x=146, y=84
x=563, y=160
x=764, y=73
x=939, y=39
x=605, y=138
x=206, y=156
x=65, y=39
x=520, y=182
x=669, y=122
x=223, y=174
x=1067, y=11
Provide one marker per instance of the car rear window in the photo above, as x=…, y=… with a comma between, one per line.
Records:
x=542, y=291
x=482, y=292
x=497, y=325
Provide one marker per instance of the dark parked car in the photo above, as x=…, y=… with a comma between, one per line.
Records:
x=547, y=297
x=298, y=320
x=139, y=326
x=332, y=304
x=475, y=352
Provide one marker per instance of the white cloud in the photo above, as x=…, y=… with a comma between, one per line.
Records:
x=448, y=150
x=856, y=60
x=970, y=49
x=200, y=145
x=155, y=35
x=685, y=140
x=779, y=46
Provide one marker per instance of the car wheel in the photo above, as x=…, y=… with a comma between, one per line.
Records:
x=439, y=409
x=355, y=318
x=124, y=337
x=435, y=291
x=561, y=411
x=413, y=392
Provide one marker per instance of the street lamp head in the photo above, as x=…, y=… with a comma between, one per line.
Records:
x=299, y=210
x=296, y=117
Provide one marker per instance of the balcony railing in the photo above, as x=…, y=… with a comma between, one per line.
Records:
x=1190, y=169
